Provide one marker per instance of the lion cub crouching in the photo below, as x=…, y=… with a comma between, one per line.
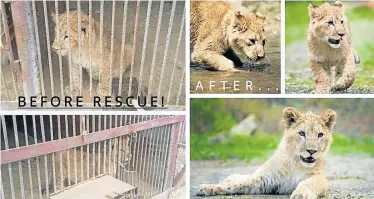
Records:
x=89, y=32
x=329, y=45
x=296, y=168
x=217, y=28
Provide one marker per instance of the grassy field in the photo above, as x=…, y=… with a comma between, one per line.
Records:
x=360, y=18
x=262, y=146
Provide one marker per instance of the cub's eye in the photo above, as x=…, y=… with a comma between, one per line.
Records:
x=66, y=37
x=331, y=23
x=342, y=22
x=320, y=135
x=252, y=41
x=302, y=133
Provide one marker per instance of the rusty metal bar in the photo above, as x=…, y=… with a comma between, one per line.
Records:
x=134, y=45
x=101, y=53
x=6, y=142
x=155, y=46
x=166, y=47
x=40, y=67
x=37, y=158
x=69, y=56
x=173, y=155
x=28, y=159
x=15, y=130
x=59, y=46
x=90, y=42
x=145, y=39
x=176, y=56
x=80, y=48
x=111, y=48
x=124, y=19
x=1, y=186
x=26, y=46
x=48, y=48
x=9, y=48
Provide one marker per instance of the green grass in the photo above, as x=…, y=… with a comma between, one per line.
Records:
x=360, y=13
x=262, y=146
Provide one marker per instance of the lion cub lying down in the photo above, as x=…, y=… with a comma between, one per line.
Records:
x=329, y=45
x=63, y=38
x=218, y=28
x=296, y=168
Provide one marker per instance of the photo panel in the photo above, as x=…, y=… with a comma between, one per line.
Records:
x=92, y=156
x=329, y=47
x=235, y=47
x=281, y=148
x=92, y=53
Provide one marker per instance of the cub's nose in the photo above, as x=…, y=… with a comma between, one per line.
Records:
x=341, y=34
x=311, y=151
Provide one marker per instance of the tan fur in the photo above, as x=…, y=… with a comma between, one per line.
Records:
x=86, y=32
x=218, y=28
x=68, y=166
x=285, y=172
x=329, y=22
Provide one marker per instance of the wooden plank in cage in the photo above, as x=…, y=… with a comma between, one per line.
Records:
x=105, y=187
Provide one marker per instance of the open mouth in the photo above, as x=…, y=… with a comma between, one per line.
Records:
x=334, y=41
x=309, y=159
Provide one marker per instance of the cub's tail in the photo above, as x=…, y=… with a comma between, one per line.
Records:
x=356, y=57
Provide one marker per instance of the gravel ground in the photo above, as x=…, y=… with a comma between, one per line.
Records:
x=349, y=176
x=306, y=89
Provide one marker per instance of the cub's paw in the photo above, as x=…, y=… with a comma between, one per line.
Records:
x=303, y=193
x=205, y=190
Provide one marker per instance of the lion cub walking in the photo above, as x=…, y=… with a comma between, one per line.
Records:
x=329, y=45
x=218, y=28
x=89, y=32
x=296, y=168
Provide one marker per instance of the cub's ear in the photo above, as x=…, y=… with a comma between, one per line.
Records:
x=312, y=11
x=338, y=4
x=53, y=16
x=329, y=117
x=290, y=116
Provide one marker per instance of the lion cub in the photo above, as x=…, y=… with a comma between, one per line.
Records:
x=87, y=32
x=329, y=45
x=296, y=167
x=219, y=28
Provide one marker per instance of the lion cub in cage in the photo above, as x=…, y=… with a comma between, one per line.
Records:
x=120, y=155
x=89, y=32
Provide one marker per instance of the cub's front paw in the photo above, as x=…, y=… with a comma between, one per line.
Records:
x=205, y=190
x=226, y=65
x=303, y=193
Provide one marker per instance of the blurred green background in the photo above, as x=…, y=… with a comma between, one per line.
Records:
x=361, y=19
x=214, y=123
